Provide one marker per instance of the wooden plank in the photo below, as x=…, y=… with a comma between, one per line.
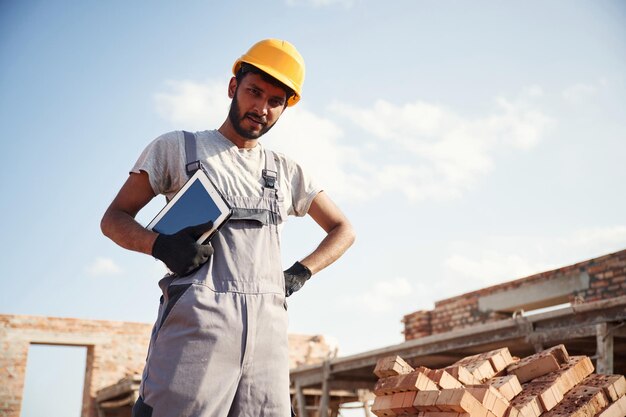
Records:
x=324, y=402
x=301, y=401
x=122, y=387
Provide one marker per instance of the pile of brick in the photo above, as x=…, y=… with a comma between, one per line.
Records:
x=550, y=383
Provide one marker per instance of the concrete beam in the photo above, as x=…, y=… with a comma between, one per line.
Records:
x=537, y=295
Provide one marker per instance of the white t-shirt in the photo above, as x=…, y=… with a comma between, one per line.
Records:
x=235, y=172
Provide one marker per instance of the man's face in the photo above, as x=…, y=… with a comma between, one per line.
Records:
x=256, y=106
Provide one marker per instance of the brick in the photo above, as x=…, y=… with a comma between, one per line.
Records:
x=462, y=375
x=490, y=398
x=460, y=401
x=524, y=406
x=617, y=409
x=571, y=374
x=415, y=381
x=539, y=364
x=402, y=403
x=533, y=367
x=614, y=386
x=396, y=402
x=498, y=358
x=382, y=406
x=508, y=386
x=548, y=393
x=481, y=369
x=391, y=366
x=426, y=401
x=559, y=352
x=407, y=403
x=443, y=379
x=580, y=402
x=389, y=385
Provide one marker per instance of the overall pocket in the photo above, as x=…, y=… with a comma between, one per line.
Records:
x=141, y=409
x=174, y=292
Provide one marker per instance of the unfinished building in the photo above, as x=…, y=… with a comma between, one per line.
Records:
x=590, y=322
x=116, y=353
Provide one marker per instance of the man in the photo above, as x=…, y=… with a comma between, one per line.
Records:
x=219, y=344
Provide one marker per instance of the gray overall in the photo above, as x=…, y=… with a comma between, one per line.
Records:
x=219, y=345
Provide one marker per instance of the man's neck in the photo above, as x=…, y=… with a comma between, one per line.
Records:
x=231, y=134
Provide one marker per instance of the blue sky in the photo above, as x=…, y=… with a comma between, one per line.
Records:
x=470, y=143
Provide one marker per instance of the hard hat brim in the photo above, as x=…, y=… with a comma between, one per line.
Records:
x=272, y=73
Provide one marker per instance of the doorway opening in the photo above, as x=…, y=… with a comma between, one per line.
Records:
x=55, y=376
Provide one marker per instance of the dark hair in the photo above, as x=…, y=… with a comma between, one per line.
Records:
x=246, y=68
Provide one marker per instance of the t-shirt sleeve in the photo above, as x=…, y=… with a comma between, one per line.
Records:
x=304, y=189
x=161, y=160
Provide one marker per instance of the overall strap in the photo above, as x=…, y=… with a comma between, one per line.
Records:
x=270, y=176
x=270, y=172
x=192, y=163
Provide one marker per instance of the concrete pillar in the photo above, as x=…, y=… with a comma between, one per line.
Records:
x=604, y=349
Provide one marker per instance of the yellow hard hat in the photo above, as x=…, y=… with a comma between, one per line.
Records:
x=281, y=60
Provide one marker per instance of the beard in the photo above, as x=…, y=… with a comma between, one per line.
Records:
x=236, y=119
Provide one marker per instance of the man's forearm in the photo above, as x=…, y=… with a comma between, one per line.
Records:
x=118, y=222
x=124, y=230
x=336, y=242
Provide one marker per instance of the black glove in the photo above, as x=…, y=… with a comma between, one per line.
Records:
x=180, y=252
x=295, y=277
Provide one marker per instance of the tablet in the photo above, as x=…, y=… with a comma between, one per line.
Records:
x=197, y=202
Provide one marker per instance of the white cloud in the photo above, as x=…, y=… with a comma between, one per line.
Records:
x=383, y=297
x=440, y=153
x=580, y=92
x=599, y=237
x=194, y=105
x=321, y=3
x=316, y=143
x=103, y=267
x=490, y=268
x=418, y=149
x=473, y=265
x=534, y=91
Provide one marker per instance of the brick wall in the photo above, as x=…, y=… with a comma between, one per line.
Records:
x=114, y=350
x=591, y=280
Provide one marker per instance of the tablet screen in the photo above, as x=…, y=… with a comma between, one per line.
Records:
x=193, y=207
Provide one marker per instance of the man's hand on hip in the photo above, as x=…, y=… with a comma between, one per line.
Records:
x=295, y=277
x=180, y=252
